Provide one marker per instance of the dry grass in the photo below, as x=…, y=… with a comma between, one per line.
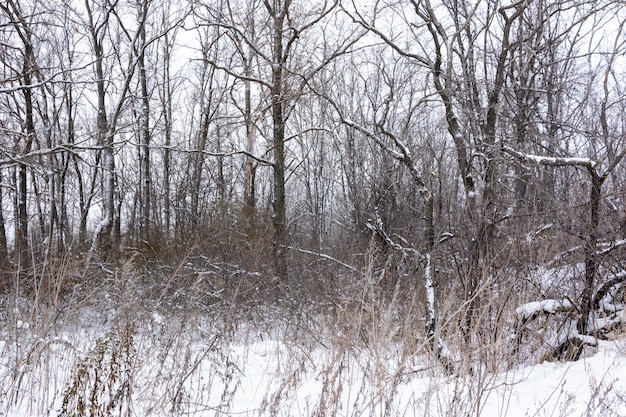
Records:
x=191, y=338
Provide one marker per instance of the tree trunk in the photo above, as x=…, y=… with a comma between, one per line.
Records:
x=249, y=189
x=198, y=165
x=207, y=108
x=4, y=250
x=103, y=239
x=22, y=229
x=166, y=100
x=591, y=257
x=278, y=203
x=429, y=235
x=144, y=159
x=21, y=234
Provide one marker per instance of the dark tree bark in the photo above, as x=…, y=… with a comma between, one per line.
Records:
x=103, y=240
x=145, y=200
x=249, y=196
x=278, y=11
x=591, y=249
x=4, y=249
x=166, y=103
x=18, y=20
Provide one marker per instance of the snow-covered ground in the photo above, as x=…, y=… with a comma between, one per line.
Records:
x=162, y=367
x=592, y=386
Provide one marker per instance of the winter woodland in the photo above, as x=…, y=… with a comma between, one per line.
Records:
x=324, y=207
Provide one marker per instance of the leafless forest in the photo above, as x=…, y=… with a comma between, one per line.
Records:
x=446, y=175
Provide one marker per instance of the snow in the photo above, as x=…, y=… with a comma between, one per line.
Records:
x=533, y=308
x=263, y=377
x=545, y=160
x=618, y=318
x=558, y=161
x=22, y=324
x=430, y=290
x=157, y=318
x=565, y=388
x=609, y=246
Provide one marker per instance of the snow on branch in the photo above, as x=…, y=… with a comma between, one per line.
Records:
x=583, y=339
x=606, y=325
x=570, y=346
x=25, y=158
x=530, y=236
x=563, y=254
x=324, y=256
x=604, y=248
x=618, y=279
x=52, y=79
x=553, y=160
x=377, y=226
x=610, y=246
x=531, y=310
x=259, y=159
x=370, y=134
x=236, y=75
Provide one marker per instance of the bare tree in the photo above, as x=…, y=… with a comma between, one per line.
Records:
x=587, y=144
x=19, y=19
x=391, y=113
x=453, y=60
x=286, y=64
x=4, y=247
x=167, y=83
x=144, y=148
x=100, y=18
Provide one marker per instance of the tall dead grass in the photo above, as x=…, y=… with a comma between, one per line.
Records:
x=207, y=336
